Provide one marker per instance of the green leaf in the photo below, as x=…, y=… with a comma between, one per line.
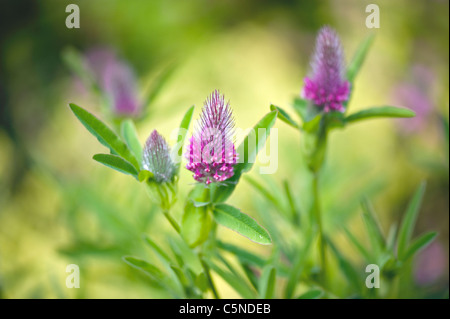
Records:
x=104, y=134
x=155, y=247
x=305, y=110
x=374, y=232
x=297, y=268
x=264, y=191
x=146, y=267
x=131, y=138
x=242, y=254
x=117, y=163
x=196, y=224
x=419, y=244
x=409, y=221
x=267, y=282
x=359, y=57
x=293, y=209
x=248, y=153
x=240, y=286
x=243, y=224
x=363, y=251
x=159, y=83
x=346, y=267
x=284, y=116
x=379, y=112
x=184, y=126
x=311, y=294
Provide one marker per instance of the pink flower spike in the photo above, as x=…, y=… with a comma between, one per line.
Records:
x=326, y=85
x=211, y=153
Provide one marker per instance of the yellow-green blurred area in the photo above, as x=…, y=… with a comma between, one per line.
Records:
x=59, y=207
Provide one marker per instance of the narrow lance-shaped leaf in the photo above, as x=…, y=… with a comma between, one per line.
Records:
x=311, y=294
x=159, y=83
x=243, y=224
x=359, y=57
x=373, y=229
x=379, y=112
x=409, y=221
x=104, y=134
x=363, y=251
x=346, y=267
x=146, y=267
x=155, y=273
x=267, y=283
x=184, y=127
x=419, y=244
x=248, y=152
x=240, y=286
x=284, y=116
x=117, y=163
x=130, y=136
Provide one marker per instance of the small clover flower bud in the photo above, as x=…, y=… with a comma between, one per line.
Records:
x=211, y=153
x=156, y=158
x=326, y=85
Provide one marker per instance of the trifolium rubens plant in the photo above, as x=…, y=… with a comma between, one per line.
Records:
x=293, y=269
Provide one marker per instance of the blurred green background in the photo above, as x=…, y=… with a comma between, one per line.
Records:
x=59, y=207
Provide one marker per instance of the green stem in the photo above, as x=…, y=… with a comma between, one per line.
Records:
x=318, y=217
x=172, y=221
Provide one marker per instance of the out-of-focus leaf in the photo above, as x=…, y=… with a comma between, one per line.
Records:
x=374, y=232
x=264, y=191
x=240, y=286
x=201, y=282
x=182, y=132
x=390, y=239
x=196, y=224
x=117, y=163
x=379, y=112
x=146, y=267
x=293, y=209
x=297, y=268
x=409, y=221
x=159, y=83
x=346, y=267
x=130, y=136
x=358, y=58
x=419, y=244
x=363, y=251
x=311, y=294
x=242, y=254
x=243, y=224
x=104, y=134
x=156, y=274
x=248, y=152
x=155, y=247
x=284, y=116
x=267, y=282
x=305, y=110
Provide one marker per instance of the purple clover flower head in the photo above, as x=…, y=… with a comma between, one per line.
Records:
x=211, y=153
x=116, y=79
x=326, y=85
x=156, y=158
